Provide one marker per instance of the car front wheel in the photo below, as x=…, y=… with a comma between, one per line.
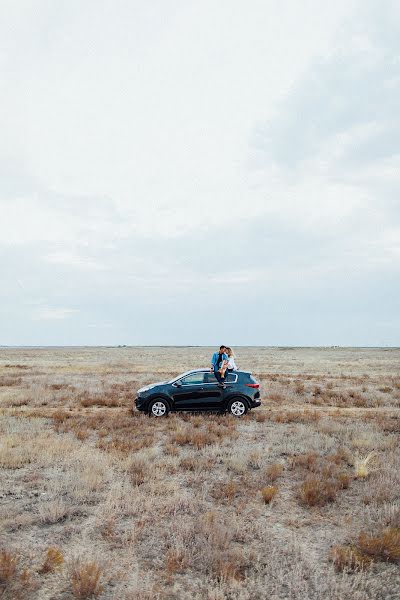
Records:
x=158, y=408
x=237, y=407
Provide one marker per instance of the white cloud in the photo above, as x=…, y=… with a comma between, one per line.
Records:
x=47, y=313
x=166, y=156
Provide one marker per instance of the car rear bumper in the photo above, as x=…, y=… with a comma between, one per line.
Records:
x=255, y=403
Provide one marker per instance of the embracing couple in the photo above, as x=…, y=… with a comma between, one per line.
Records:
x=222, y=363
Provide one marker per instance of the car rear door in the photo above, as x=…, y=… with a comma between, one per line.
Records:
x=211, y=395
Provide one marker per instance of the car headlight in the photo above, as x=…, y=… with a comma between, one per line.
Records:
x=144, y=389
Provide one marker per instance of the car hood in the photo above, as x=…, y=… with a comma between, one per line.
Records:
x=146, y=388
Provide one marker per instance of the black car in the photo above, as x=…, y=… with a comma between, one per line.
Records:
x=199, y=390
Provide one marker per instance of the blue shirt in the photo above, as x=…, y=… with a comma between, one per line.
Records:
x=215, y=359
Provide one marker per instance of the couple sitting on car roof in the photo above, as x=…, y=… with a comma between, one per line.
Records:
x=223, y=363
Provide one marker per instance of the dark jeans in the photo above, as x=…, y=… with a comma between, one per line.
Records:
x=218, y=376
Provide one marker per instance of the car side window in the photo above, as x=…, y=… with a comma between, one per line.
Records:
x=210, y=378
x=193, y=379
x=232, y=378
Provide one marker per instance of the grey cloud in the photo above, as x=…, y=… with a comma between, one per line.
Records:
x=17, y=182
x=280, y=277
x=355, y=87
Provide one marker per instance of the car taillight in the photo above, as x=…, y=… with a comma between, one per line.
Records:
x=253, y=385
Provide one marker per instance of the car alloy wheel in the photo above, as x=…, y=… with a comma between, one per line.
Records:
x=237, y=408
x=159, y=408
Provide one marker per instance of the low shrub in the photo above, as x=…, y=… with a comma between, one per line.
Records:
x=348, y=558
x=53, y=511
x=195, y=437
x=171, y=450
x=296, y=416
x=230, y=566
x=189, y=463
x=225, y=491
x=261, y=417
x=316, y=492
x=276, y=397
x=274, y=471
x=364, y=466
x=54, y=559
x=268, y=493
x=9, y=381
x=8, y=567
x=175, y=560
x=137, y=470
x=255, y=460
x=85, y=579
x=384, y=546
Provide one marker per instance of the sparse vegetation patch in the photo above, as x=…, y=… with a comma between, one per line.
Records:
x=299, y=499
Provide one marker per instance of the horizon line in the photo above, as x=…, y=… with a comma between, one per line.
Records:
x=121, y=346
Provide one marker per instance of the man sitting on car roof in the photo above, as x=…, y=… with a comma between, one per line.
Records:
x=216, y=362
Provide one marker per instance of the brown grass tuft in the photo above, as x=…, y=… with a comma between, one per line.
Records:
x=175, y=560
x=10, y=381
x=85, y=579
x=348, y=558
x=364, y=466
x=261, y=417
x=230, y=567
x=54, y=559
x=274, y=471
x=299, y=388
x=225, y=491
x=171, y=450
x=276, y=397
x=316, y=492
x=255, y=460
x=189, y=463
x=384, y=546
x=137, y=470
x=268, y=493
x=296, y=416
x=8, y=567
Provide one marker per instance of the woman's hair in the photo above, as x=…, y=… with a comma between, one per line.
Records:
x=230, y=352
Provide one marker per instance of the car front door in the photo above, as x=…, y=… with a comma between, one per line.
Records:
x=186, y=392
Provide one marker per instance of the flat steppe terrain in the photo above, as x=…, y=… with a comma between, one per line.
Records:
x=297, y=500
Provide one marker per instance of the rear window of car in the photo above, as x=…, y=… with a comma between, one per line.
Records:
x=232, y=377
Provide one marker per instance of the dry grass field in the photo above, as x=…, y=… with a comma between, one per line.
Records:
x=297, y=500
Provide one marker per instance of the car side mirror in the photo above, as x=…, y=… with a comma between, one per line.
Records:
x=178, y=384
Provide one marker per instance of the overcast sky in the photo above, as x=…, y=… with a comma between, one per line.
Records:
x=200, y=172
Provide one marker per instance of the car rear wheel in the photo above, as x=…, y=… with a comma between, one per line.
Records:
x=158, y=408
x=237, y=407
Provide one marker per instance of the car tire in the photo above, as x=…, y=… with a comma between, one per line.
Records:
x=237, y=407
x=158, y=408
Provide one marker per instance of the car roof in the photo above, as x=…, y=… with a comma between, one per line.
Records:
x=202, y=371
